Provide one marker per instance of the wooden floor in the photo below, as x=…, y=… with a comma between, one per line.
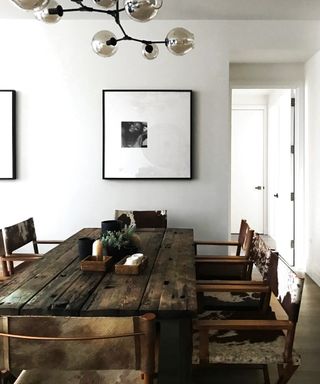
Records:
x=307, y=343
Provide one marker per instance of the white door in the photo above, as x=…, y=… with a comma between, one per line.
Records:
x=280, y=173
x=247, y=167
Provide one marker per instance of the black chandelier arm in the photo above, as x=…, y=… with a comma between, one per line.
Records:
x=117, y=19
x=115, y=13
x=147, y=42
x=60, y=11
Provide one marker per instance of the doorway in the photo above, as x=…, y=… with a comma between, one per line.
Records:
x=262, y=164
x=247, y=171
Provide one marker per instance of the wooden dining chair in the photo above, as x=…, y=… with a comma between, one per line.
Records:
x=143, y=219
x=255, y=339
x=4, y=269
x=17, y=236
x=244, y=227
x=79, y=350
x=227, y=267
x=2, y=254
x=242, y=294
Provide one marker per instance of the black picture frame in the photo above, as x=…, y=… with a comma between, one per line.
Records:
x=7, y=135
x=147, y=134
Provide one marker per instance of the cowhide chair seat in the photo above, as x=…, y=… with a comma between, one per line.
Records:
x=231, y=300
x=143, y=219
x=244, y=347
x=255, y=338
x=238, y=346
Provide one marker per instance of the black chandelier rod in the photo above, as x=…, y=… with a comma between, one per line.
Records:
x=59, y=10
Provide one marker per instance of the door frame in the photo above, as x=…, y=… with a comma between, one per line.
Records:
x=264, y=149
x=301, y=229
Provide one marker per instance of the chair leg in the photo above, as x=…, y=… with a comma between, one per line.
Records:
x=280, y=369
x=200, y=301
x=266, y=374
x=4, y=266
x=147, y=378
x=7, y=377
x=286, y=372
x=11, y=267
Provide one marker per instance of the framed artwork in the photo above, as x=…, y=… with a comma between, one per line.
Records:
x=7, y=134
x=147, y=134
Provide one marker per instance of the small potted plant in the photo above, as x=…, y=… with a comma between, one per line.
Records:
x=120, y=243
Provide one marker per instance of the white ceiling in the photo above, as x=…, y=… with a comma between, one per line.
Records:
x=216, y=10
x=207, y=9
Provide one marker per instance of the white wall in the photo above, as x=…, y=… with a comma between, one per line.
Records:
x=313, y=162
x=59, y=83
x=257, y=75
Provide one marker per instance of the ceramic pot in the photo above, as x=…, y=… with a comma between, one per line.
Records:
x=111, y=225
x=85, y=247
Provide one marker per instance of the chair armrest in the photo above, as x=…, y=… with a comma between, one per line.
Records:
x=226, y=261
x=259, y=288
x=49, y=241
x=214, y=242
x=21, y=257
x=262, y=325
x=219, y=257
x=233, y=282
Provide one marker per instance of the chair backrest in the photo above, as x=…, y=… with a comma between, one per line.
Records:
x=261, y=256
x=1, y=245
x=244, y=227
x=4, y=268
x=143, y=219
x=18, y=235
x=286, y=285
x=79, y=343
x=247, y=243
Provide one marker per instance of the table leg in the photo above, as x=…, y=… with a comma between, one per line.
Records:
x=175, y=351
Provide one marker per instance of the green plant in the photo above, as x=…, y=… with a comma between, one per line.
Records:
x=118, y=239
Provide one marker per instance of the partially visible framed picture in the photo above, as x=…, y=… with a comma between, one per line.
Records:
x=147, y=134
x=7, y=134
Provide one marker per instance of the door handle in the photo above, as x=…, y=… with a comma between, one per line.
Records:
x=276, y=195
x=258, y=187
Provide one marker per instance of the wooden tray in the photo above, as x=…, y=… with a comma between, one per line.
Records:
x=122, y=269
x=91, y=263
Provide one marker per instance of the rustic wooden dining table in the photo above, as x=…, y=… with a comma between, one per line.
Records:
x=55, y=285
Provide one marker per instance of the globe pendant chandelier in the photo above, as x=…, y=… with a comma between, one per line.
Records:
x=178, y=41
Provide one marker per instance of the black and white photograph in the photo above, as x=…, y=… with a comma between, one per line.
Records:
x=7, y=134
x=134, y=134
x=147, y=134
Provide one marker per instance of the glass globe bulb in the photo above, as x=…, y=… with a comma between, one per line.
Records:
x=43, y=14
x=142, y=10
x=104, y=43
x=150, y=51
x=105, y=3
x=179, y=41
x=30, y=5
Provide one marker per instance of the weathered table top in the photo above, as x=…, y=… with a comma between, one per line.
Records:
x=55, y=285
